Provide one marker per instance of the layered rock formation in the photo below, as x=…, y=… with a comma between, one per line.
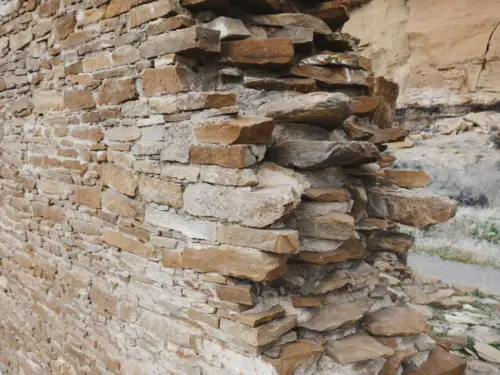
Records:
x=200, y=188
x=445, y=55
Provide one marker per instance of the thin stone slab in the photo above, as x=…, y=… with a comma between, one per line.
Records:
x=261, y=335
x=322, y=154
x=241, y=262
x=357, y=348
x=334, y=316
x=291, y=19
x=320, y=108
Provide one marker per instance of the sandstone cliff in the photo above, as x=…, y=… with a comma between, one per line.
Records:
x=441, y=53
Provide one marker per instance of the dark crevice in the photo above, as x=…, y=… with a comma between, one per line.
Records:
x=483, y=66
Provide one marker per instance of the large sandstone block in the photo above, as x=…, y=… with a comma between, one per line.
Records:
x=440, y=362
x=191, y=39
x=258, y=208
x=416, y=209
x=258, y=52
x=161, y=192
x=151, y=11
x=90, y=196
x=284, y=241
x=48, y=100
x=236, y=130
x=357, y=348
x=240, y=293
x=21, y=39
x=325, y=109
x=118, y=178
x=408, y=179
x=122, y=205
x=168, y=80
x=334, y=316
x=77, y=100
x=322, y=154
x=390, y=241
x=336, y=226
x=116, y=91
x=334, y=13
x=241, y=262
x=331, y=76
x=261, y=335
x=129, y=244
x=237, y=156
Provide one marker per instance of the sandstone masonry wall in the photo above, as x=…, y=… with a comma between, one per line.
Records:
x=201, y=187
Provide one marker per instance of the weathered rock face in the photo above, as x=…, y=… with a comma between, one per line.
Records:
x=444, y=53
x=199, y=187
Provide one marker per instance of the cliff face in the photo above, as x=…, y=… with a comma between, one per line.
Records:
x=441, y=53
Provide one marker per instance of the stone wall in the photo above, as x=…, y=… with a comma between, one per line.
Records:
x=201, y=188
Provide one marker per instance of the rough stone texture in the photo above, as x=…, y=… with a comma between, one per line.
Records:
x=395, y=321
x=357, y=348
x=234, y=261
x=325, y=109
x=257, y=208
x=406, y=41
x=144, y=227
x=415, y=210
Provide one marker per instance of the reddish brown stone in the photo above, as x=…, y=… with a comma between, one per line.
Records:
x=129, y=244
x=171, y=80
x=258, y=52
x=365, y=105
x=242, y=294
x=327, y=195
x=245, y=263
x=237, y=156
x=64, y=25
x=236, y=130
x=334, y=13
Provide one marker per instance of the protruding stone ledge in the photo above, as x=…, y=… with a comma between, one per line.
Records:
x=416, y=209
x=322, y=154
x=241, y=262
x=321, y=108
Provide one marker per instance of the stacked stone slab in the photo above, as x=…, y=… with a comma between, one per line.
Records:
x=201, y=187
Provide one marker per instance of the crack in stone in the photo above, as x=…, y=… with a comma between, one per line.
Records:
x=483, y=65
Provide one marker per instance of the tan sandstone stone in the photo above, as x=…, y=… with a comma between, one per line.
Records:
x=129, y=244
x=118, y=178
x=234, y=261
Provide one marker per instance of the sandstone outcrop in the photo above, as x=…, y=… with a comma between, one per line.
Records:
x=201, y=187
x=444, y=55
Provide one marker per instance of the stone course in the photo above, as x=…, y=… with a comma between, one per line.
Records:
x=198, y=187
